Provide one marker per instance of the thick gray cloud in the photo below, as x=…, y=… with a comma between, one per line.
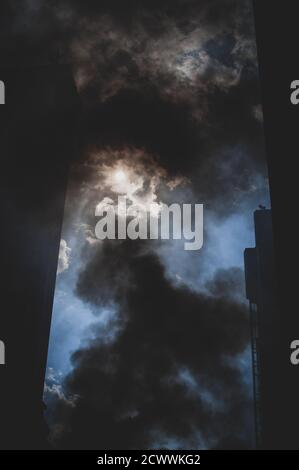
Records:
x=165, y=373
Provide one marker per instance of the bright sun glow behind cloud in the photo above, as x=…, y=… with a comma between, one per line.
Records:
x=120, y=176
x=124, y=180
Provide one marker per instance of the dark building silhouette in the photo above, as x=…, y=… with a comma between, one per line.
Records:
x=36, y=146
x=261, y=291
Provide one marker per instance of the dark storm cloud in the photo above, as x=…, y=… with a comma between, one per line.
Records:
x=165, y=374
x=184, y=92
x=178, y=78
x=194, y=51
x=181, y=47
x=144, y=120
x=222, y=167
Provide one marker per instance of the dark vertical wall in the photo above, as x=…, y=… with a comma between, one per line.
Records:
x=36, y=146
x=277, y=39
